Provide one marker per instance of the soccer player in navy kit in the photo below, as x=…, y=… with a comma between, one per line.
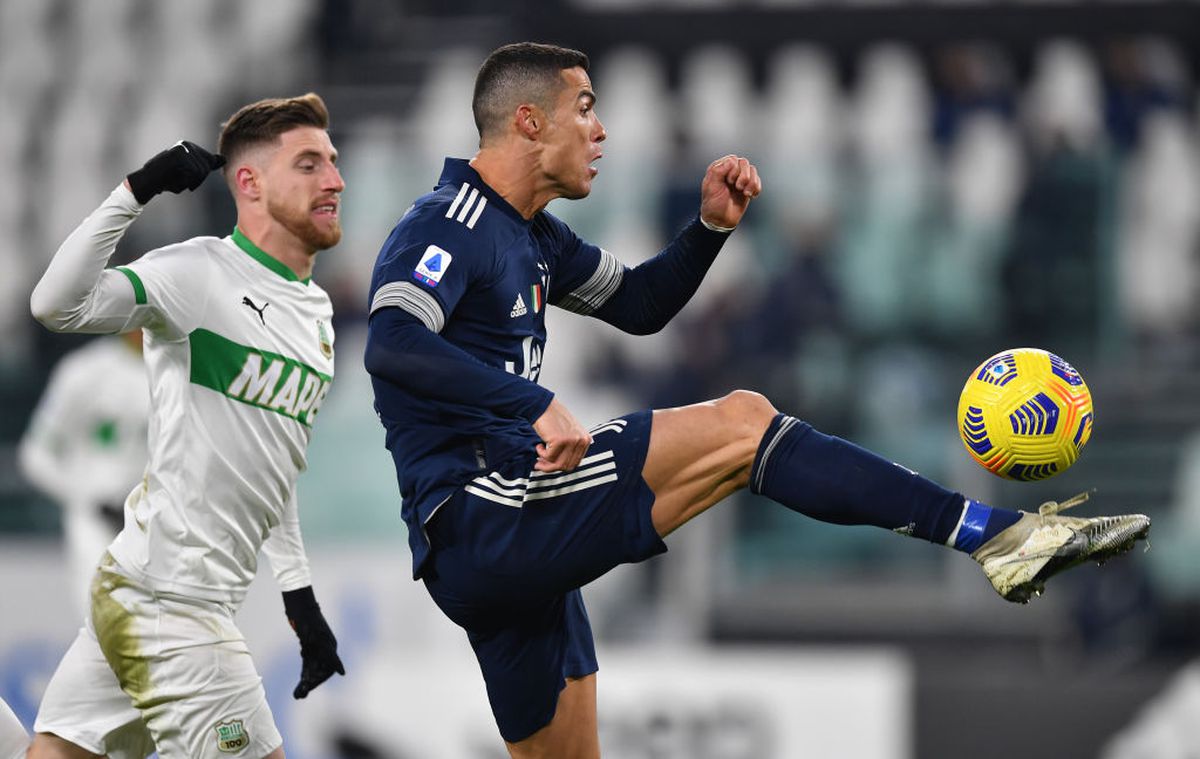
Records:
x=511, y=504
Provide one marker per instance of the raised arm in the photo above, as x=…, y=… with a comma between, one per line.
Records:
x=642, y=300
x=77, y=293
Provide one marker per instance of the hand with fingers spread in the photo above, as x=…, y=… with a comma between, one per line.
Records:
x=728, y=186
x=183, y=166
x=564, y=439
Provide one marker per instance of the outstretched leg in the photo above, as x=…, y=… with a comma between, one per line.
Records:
x=700, y=454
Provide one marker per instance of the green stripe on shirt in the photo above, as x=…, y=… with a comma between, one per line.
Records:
x=259, y=378
x=139, y=290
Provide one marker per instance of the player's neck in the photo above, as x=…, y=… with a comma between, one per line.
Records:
x=516, y=177
x=279, y=243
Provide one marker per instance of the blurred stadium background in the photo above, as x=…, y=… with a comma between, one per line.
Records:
x=943, y=180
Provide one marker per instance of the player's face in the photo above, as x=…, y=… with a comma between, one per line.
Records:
x=573, y=136
x=305, y=187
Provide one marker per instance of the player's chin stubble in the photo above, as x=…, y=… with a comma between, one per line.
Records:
x=302, y=226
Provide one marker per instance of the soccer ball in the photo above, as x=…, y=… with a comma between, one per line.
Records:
x=1025, y=414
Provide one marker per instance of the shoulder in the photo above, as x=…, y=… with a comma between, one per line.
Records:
x=548, y=226
x=197, y=252
x=196, y=246
x=451, y=221
x=182, y=267
x=319, y=296
x=458, y=216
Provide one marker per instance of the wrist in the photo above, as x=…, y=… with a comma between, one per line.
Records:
x=141, y=186
x=716, y=227
x=298, y=602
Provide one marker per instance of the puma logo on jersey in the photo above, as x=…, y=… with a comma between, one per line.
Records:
x=247, y=302
x=518, y=308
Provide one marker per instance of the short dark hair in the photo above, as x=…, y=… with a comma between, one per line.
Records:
x=265, y=120
x=523, y=72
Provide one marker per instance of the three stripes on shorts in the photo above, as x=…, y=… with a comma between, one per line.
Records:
x=593, y=471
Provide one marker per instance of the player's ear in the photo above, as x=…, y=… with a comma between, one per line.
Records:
x=529, y=120
x=246, y=181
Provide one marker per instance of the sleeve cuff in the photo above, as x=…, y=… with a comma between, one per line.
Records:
x=715, y=228
x=539, y=405
x=124, y=198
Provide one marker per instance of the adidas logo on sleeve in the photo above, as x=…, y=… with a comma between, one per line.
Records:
x=518, y=308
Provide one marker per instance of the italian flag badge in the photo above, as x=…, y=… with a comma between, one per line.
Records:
x=535, y=297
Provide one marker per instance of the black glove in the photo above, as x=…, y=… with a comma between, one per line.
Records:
x=183, y=166
x=318, y=647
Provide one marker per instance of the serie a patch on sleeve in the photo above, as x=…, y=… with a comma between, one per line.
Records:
x=432, y=266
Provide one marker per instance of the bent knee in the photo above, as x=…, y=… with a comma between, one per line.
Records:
x=748, y=409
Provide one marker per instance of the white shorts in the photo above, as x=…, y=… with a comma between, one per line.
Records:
x=181, y=679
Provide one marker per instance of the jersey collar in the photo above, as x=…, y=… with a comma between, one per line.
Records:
x=264, y=258
x=455, y=171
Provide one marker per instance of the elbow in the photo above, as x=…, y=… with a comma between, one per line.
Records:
x=376, y=359
x=47, y=312
x=371, y=358
x=641, y=329
x=649, y=321
x=390, y=347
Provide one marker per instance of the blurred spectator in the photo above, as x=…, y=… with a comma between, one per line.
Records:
x=1142, y=76
x=86, y=447
x=970, y=79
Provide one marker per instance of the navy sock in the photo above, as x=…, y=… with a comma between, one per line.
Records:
x=833, y=480
x=978, y=524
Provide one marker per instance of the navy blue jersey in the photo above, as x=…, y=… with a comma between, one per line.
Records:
x=473, y=270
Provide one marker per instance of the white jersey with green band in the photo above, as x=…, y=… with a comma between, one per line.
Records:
x=239, y=353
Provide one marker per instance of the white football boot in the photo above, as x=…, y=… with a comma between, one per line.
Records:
x=1020, y=558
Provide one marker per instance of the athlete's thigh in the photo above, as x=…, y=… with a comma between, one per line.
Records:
x=186, y=668
x=573, y=733
x=701, y=453
x=84, y=705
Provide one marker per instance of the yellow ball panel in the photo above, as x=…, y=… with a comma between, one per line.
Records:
x=1025, y=414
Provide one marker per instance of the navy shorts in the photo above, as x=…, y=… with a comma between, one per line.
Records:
x=510, y=551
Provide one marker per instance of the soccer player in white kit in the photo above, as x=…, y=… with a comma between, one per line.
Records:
x=239, y=352
x=85, y=447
